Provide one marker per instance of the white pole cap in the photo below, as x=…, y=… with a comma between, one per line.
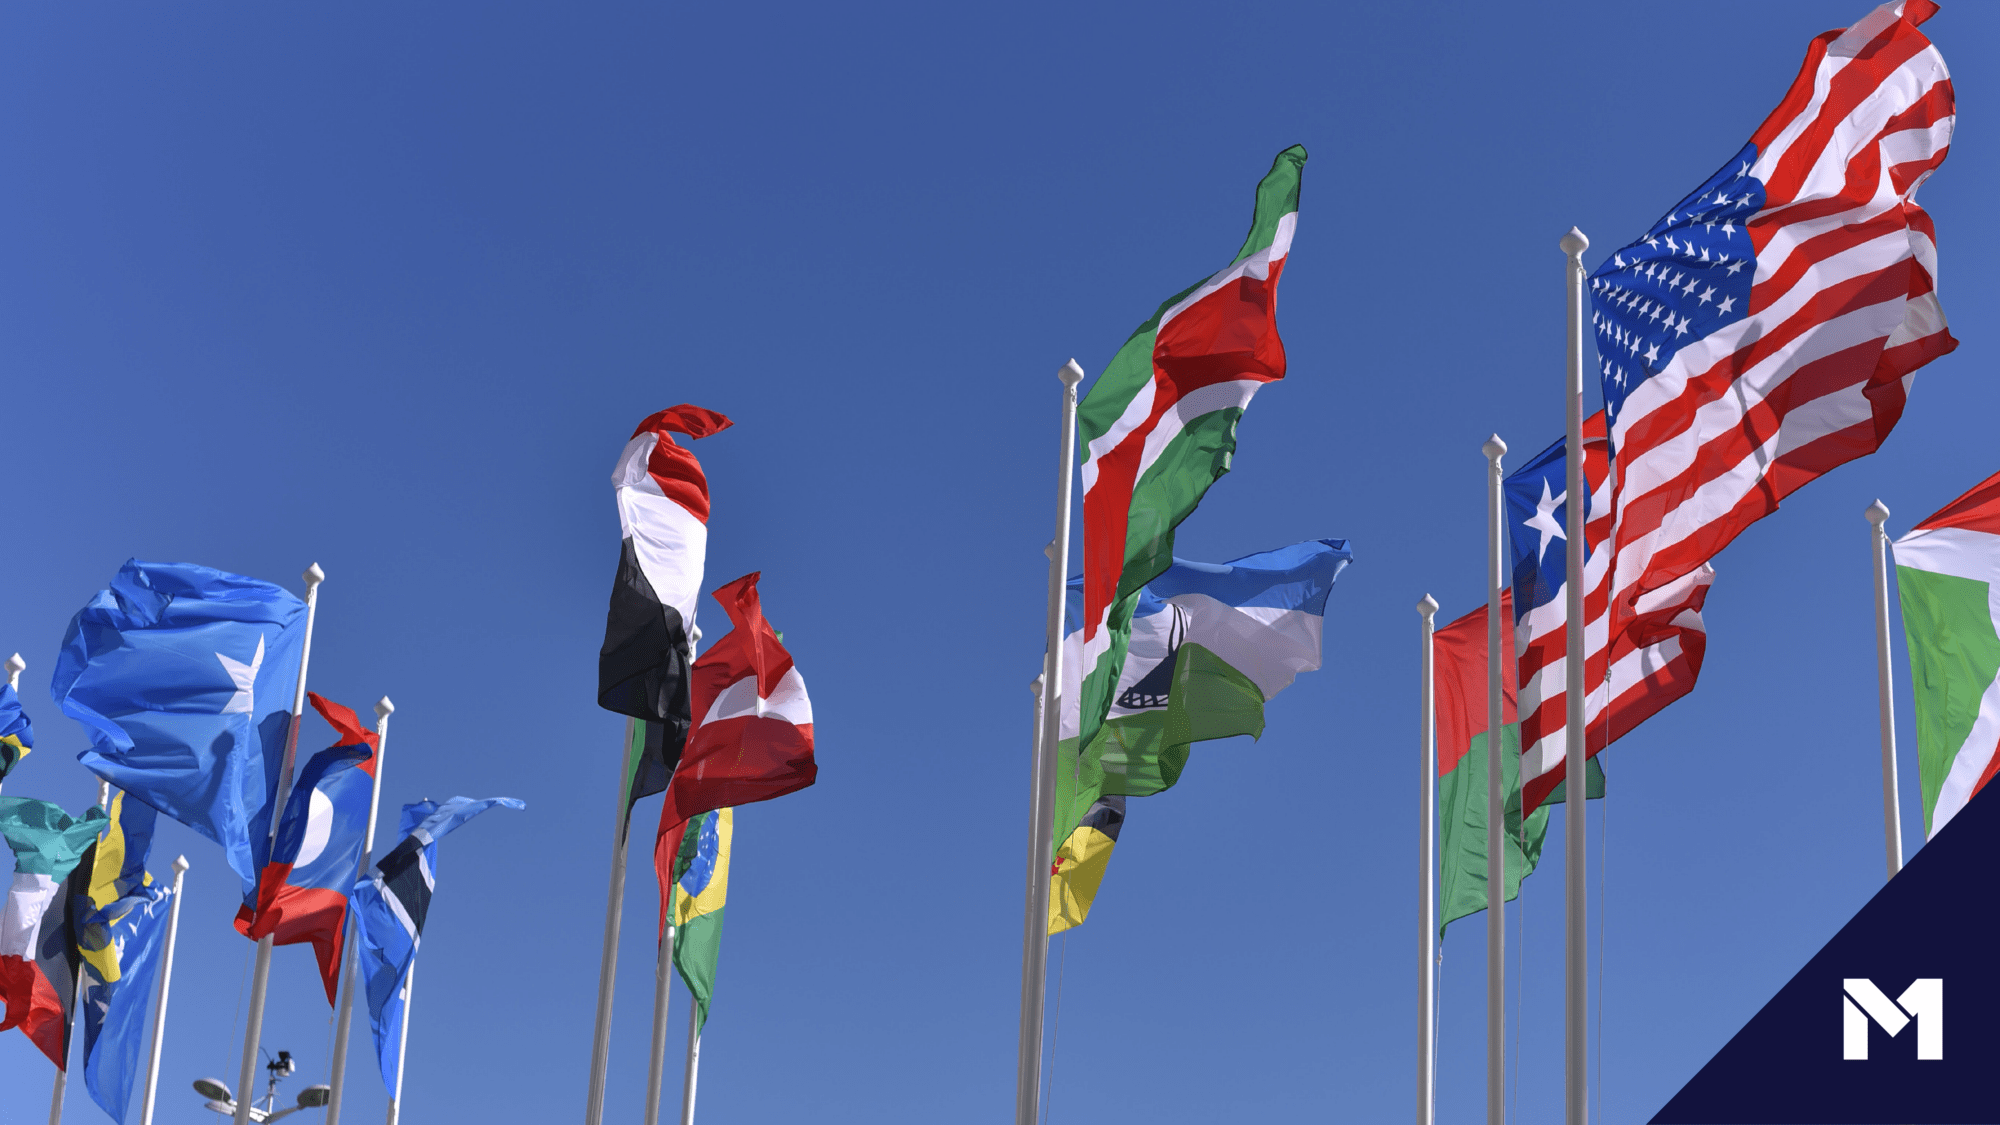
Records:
x=1493, y=448
x=180, y=864
x=16, y=665
x=314, y=576
x=1070, y=374
x=1428, y=607
x=384, y=708
x=1574, y=243
x=1036, y=686
x=1877, y=513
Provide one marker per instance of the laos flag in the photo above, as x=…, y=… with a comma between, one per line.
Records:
x=312, y=863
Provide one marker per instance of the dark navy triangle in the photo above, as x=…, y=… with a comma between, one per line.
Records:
x=1932, y=921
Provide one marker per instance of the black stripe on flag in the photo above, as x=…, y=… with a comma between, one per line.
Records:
x=406, y=882
x=642, y=670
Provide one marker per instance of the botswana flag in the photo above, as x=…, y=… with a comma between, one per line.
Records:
x=642, y=670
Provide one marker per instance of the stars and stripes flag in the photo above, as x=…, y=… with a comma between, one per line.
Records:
x=1767, y=329
x=1650, y=662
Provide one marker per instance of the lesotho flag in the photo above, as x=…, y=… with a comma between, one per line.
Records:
x=301, y=892
x=1211, y=643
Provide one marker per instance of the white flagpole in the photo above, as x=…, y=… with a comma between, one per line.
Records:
x=607, y=966
x=15, y=666
x=1035, y=925
x=350, y=956
x=1576, y=1012
x=693, y=1062
x=1496, y=862
x=403, y=1042
x=1427, y=877
x=160, y=1006
x=663, y=975
x=253, y=1027
x=1885, y=684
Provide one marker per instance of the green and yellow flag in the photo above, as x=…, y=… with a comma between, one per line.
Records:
x=692, y=862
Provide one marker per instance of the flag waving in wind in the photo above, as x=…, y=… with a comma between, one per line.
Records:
x=694, y=888
x=121, y=928
x=17, y=734
x=39, y=958
x=1767, y=328
x=184, y=677
x=642, y=670
x=301, y=893
x=1159, y=426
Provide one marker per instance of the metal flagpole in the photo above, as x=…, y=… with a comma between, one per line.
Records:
x=1035, y=925
x=607, y=966
x=15, y=666
x=350, y=955
x=1885, y=684
x=76, y=1002
x=663, y=977
x=253, y=1028
x=160, y=1006
x=693, y=1062
x=1427, y=878
x=1496, y=862
x=403, y=1042
x=1576, y=1044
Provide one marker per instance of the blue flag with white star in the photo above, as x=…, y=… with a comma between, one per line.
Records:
x=183, y=676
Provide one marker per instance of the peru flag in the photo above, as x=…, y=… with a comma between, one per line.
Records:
x=753, y=735
x=302, y=890
x=642, y=670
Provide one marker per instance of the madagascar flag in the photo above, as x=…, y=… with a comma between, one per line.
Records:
x=302, y=888
x=642, y=670
x=692, y=862
x=1080, y=863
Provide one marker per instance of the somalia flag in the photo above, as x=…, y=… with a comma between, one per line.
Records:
x=1210, y=645
x=692, y=862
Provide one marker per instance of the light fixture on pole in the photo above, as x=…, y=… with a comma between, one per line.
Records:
x=221, y=1100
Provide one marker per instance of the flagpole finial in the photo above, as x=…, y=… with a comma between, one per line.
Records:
x=1428, y=607
x=180, y=864
x=1493, y=448
x=314, y=576
x=1036, y=687
x=1877, y=514
x=1070, y=374
x=16, y=665
x=1574, y=243
x=384, y=708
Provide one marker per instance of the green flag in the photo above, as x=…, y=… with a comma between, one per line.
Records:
x=1462, y=825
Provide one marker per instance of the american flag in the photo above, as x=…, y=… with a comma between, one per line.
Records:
x=1649, y=664
x=1767, y=329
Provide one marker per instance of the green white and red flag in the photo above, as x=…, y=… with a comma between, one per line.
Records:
x=1948, y=579
x=1159, y=426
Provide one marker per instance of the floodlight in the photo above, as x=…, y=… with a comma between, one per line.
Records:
x=313, y=1097
x=213, y=1089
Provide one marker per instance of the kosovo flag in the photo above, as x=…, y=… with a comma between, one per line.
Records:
x=183, y=676
x=17, y=734
x=301, y=894
x=121, y=927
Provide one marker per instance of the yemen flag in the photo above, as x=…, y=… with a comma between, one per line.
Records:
x=642, y=671
x=17, y=734
x=1080, y=863
x=1210, y=645
x=1947, y=572
x=753, y=735
x=1460, y=650
x=39, y=959
x=692, y=862
x=1160, y=425
x=301, y=895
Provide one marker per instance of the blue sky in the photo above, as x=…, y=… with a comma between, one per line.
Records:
x=386, y=288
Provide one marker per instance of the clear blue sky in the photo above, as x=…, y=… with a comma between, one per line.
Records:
x=387, y=287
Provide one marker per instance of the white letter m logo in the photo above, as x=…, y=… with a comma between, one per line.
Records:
x=1922, y=1002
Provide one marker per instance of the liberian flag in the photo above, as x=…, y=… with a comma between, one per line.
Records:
x=753, y=734
x=1767, y=329
x=302, y=891
x=1948, y=579
x=1159, y=426
x=642, y=671
x=39, y=959
x=1654, y=658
